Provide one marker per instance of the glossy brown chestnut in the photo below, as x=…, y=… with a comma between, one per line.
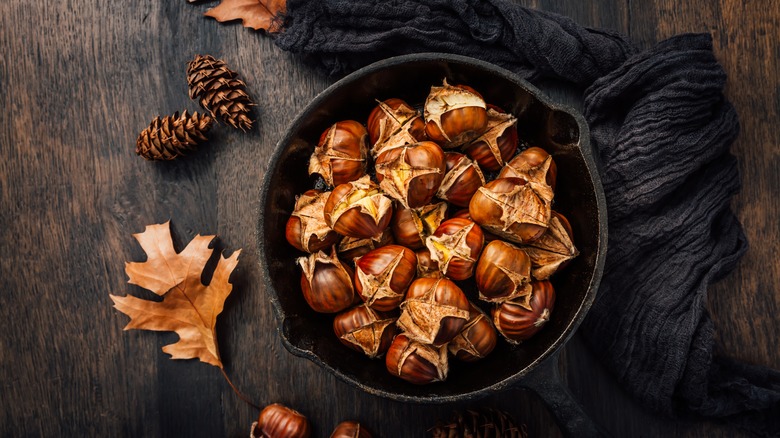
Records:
x=415, y=362
x=518, y=321
x=411, y=174
x=503, y=272
x=554, y=250
x=394, y=123
x=358, y=209
x=412, y=225
x=383, y=275
x=426, y=266
x=350, y=429
x=326, y=282
x=464, y=214
x=340, y=156
x=498, y=143
x=306, y=229
x=534, y=165
x=511, y=209
x=435, y=310
x=366, y=330
x=462, y=180
x=279, y=421
x=477, y=339
x=455, y=246
x=350, y=248
x=454, y=115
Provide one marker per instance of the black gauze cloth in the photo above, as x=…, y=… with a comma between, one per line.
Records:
x=662, y=128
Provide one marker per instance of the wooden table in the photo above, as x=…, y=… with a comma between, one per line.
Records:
x=79, y=80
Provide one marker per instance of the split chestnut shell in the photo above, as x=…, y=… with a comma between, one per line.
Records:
x=498, y=143
x=454, y=115
x=503, y=273
x=435, y=310
x=383, y=275
x=455, y=247
x=358, y=209
x=477, y=339
x=366, y=330
x=307, y=229
x=415, y=362
x=518, y=322
x=326, y=283
x=340, y=156
x=277, y=420
x=411, y=174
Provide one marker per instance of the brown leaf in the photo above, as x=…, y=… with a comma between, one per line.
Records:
x=189, y=307
x=257, y=14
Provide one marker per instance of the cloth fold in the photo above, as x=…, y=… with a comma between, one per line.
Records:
x=662, y=129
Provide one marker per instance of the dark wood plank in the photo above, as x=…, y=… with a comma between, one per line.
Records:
x=79, y=80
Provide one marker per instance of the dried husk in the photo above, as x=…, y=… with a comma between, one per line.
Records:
x=359, y=209
x=366, y=330
x=554, y=249
x=435, y=310
x=477, y=339
x=416, y=362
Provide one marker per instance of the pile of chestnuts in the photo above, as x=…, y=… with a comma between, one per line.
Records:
x=279, y=421
x=410, y=215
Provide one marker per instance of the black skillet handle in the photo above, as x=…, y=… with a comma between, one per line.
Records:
x=545, y=380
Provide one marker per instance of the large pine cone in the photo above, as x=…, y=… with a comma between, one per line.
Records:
x=484, y=424
x=172, y=136
x=219, y=91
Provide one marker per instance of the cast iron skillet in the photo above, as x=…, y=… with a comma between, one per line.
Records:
x=579, y=196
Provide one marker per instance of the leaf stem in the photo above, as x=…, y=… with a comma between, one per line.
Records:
x=238, y=393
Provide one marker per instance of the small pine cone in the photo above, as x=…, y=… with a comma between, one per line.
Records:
x=479, y=424
x=219, y=91
x=172, y=136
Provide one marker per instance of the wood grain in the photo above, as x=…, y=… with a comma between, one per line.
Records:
x=79, y=80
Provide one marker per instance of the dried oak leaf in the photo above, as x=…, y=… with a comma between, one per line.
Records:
x=257, y=14
x=189, y=307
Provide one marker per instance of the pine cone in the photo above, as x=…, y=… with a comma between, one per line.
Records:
x=479, y=424
x=220, y=91
x=172, y=136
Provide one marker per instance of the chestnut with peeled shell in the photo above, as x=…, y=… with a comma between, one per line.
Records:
x=411, y=226
x=455, y=246
x=498, y=143
x=279, y=421
x=350, y=429
x=340, y=155
x=462, y=180
x=477, y=339
x=383, y=275
x=503, y=272
x=411, y=174
x=358, y=209
x=434, y=312
x=518, y=321
x=363, y=329
x=350, y=248
x=553, y=250
x=533, y=165
x=307, y=229
x=326, y=282
x=392, y=124
x=415, y=362
x=454, y=115
x=510, y=208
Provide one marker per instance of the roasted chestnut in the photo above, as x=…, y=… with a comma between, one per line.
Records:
x=503, y=272
x=455, y=246
x=366, y=330
x=553, y=250
x=350, y=248
x=411, y=226
x=350, y=429
x=533, y=165
x=435, y=310
x=383, y=275
x=415, y=362
x=326, y=282
x=462, y=180
x=426, y=266
x=307, y=229
x=358, y=209
x=511, y=209
x=340, y=155
x=498, y=143
x=279, y=421
x=411, y=174
x=464, y=214
x=520, y=319
x=454, y=115
x=392, y=124
x=477, y=339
